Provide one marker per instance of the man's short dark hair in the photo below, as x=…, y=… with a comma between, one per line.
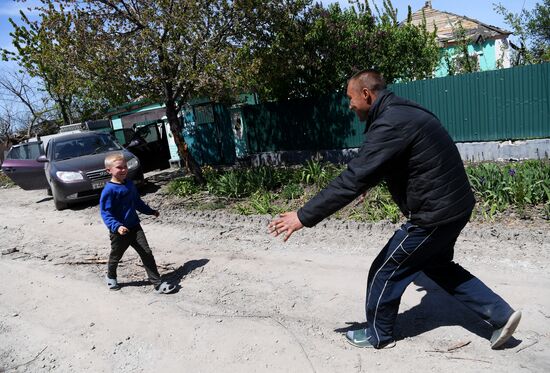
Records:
x=370, y=78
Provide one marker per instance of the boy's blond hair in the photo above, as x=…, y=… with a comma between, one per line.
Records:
x=111, y=158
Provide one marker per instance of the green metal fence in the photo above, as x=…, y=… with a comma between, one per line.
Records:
x=506, y=104
x=305, y=124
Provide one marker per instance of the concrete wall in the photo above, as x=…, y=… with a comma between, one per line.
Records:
x=472, y=152
x=507, y=150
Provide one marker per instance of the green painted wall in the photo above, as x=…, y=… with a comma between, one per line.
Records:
x=487, y=56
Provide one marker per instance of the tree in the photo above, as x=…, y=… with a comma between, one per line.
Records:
x=532, y=29
x=314, y=52
x=167, y=50
x=44, y=51
x=48, y=49
x=18, y=91
x=460, y=61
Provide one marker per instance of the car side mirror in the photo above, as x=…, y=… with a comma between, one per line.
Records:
x=42, y=159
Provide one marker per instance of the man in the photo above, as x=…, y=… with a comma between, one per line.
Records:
x=407, y=147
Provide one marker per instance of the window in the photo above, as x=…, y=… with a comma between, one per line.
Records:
x=79, y=147
x=204, y=114
x=30, y=150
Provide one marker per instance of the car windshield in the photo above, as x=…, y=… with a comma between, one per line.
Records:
x=79, y=147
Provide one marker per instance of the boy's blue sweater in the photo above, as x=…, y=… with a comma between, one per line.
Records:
x=118, y=204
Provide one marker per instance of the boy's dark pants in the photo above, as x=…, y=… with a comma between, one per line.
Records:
x=135, y=238
x=412, y=250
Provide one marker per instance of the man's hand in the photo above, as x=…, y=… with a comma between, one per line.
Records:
x=122, y=230
x=286, y=223
x=156, y=213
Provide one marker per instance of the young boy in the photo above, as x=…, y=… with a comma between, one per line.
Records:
x=117, y=205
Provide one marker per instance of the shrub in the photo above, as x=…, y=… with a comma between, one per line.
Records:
x=500, y=186
x=5, y=182
x=318, y=173
x=292, y=191
x=183, y=187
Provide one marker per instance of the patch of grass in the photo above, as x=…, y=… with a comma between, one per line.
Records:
x=5, y=182
x=378, y=205
x=319, y=173
x=292, y=191
x=500, y=188
x=183, y=187
x=259, y=203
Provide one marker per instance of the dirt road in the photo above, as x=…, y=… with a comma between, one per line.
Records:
x=247, y=302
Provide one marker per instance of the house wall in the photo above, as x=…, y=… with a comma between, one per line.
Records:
x=117, y=124
x=502, y=49
x=117, y=118
x=488, y=54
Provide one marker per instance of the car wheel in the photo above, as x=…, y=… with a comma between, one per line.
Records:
x=59, y=205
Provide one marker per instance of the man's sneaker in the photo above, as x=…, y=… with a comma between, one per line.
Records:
x=112, y=283
x=500, y=336
x=360, y=338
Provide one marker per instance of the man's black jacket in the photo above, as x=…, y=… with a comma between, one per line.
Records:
x=407, y=147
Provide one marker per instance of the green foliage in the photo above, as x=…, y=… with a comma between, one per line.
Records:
x=292, y=191
x=239, y=183
x=318, y=173
x=260, y=203
x=532, y=30
x=267, y=190
x=459, y=61
x=5, y=182
x=500, y=186
x=378, y=205
x=315, y=51
x=50, y=50
x=183, y=187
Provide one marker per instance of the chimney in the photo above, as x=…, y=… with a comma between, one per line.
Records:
x=428, y=5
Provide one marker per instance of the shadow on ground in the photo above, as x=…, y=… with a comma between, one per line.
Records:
x=178, y=274
x=174, y=277
x=161, y=178
x=436, y=309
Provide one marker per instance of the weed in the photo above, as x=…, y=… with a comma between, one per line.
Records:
x=5, y=182
x=183, y=187
x=498, y=188
x=318, y=173
x=378, y=205
x=292, y=191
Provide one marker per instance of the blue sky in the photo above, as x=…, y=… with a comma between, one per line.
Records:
x=481, y=10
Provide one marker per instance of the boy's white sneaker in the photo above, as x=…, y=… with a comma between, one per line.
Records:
x=112, y=283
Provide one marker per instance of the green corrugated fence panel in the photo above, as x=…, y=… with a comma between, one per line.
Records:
x=506, y=104
x=304, y=124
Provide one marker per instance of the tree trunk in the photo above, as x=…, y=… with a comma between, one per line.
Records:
x=183, y=150
x=65, y=111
